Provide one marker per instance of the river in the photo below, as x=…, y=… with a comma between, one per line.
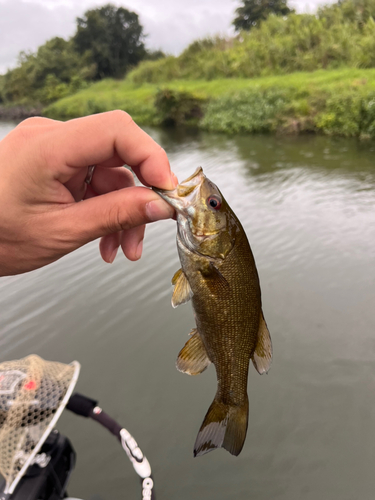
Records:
x=307, y=205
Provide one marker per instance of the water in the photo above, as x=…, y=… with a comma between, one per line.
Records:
x=307, y=205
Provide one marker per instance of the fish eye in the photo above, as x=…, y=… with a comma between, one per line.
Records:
x=214, y=202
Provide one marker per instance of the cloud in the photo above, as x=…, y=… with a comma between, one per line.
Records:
x=173, y=29
x=25, y=26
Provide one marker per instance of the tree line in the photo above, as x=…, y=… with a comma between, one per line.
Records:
x=108, y=42
x=272, y=39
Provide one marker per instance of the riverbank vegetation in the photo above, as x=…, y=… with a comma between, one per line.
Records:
x=338, y=102
x=289, y=73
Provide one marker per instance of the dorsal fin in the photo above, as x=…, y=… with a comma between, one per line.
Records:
x=262, y=356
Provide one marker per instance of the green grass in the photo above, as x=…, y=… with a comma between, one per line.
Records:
x=304, y=101
x=105, y=96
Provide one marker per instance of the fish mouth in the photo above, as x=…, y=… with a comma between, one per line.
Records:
x=206, y=234
x=182, y=196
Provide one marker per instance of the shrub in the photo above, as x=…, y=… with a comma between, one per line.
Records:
x=351, y=113
x=155, y=71
x=178, y=107
x=254, y=110
x=342, y=115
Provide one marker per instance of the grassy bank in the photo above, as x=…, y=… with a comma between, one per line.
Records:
x=337, y=102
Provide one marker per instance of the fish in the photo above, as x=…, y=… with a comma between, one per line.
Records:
x=218, y=274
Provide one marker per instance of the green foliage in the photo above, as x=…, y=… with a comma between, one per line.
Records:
x=154, y=55
x=368, y=115
x=350, y=113
x=341, y=116
x=105, y=96
x=358, y=12
x=255, y=110
x=176, y=107
x=54, y=89
x=54, y=71
x=114, y=38
x=161, y=70
x=108, y=41
x=1, y=88
x=340, y=102
x=73, y=106
x=252, y=12
x=338, y=36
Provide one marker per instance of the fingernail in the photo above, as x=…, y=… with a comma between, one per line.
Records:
x=138, y=253
x=112, y=256
x=158, y=209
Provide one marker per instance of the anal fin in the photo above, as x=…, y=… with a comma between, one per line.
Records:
x=262, y=356
x=182, y=291
x=193, y=358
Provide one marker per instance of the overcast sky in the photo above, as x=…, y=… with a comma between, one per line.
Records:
x=170, y=24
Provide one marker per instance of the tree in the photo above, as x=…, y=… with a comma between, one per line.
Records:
x=254, y=11
x=54, y=70
x=113, y=36
x=57, y=57
x=356, y=11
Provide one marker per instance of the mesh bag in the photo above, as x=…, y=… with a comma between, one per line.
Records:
x=33, y=393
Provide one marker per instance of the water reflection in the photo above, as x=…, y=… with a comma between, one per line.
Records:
x=307, y=205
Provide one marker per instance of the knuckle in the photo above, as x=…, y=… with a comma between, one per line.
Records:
x=116, y=220
x=22, y=132
x=31, y=121
x=112, y=220
x=35, y=123
x=123, y=116
x=35, y=133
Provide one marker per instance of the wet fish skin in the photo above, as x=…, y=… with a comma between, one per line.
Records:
x=218, y=273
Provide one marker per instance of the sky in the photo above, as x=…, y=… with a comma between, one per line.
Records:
x=170, y=25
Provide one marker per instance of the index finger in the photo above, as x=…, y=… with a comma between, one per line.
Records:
x=94, y=139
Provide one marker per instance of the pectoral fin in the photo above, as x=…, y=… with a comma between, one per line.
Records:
x=193, y=358
x=214, y=280
x=262, y=356
x=182, y=291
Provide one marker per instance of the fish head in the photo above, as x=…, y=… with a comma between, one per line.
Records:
x=206, y=224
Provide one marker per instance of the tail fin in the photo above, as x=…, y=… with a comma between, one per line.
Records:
x=224, y=426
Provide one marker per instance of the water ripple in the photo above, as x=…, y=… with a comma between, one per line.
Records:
x=307, y=206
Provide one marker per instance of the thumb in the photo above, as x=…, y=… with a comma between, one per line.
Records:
x=110, y=213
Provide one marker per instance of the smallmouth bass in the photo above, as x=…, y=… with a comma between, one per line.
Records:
x=219, y=275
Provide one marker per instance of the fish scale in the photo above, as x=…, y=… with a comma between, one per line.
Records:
x=218, y=273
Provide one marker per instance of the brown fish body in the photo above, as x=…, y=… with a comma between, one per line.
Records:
x=227, y=317
x=219, y=275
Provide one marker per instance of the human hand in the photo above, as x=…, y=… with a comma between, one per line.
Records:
x=43, y=166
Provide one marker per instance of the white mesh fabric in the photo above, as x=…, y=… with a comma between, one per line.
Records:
x=31, y=391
